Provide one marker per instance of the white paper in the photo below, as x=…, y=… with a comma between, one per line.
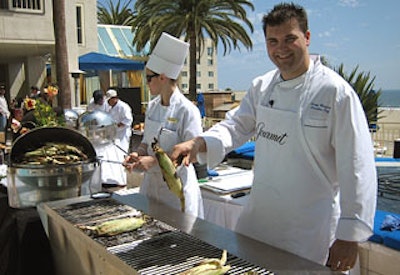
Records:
x=233, y=182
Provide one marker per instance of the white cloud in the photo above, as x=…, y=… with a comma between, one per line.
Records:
x=324, y=34
x=349, y=3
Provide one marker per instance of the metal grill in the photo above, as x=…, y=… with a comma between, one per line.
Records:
x=155, y=248
x=175, y=252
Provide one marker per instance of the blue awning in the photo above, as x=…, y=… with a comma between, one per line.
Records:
x=102, y=62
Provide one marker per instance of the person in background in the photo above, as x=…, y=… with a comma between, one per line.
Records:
x=98, y=102
x=314, y=187
x=4, y=112
x=170, y=118
x=121, y=112
x=200, y=103
x=35, y=92
x=115, y=174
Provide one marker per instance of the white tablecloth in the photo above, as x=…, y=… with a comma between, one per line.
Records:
x=222, y=209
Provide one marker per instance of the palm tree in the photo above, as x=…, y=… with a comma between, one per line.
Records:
x=363, y=85
x=115, y=14
x=221, y=20
x=61, y=50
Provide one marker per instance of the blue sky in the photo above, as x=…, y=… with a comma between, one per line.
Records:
x=353, y=32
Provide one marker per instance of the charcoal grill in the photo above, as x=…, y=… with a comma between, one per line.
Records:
x=155, y=248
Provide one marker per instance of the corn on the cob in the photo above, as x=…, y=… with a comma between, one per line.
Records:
x=168, y=171
x=114, y=227
x=210, y=266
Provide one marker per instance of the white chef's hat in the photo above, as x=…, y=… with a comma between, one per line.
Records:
x=168, y=56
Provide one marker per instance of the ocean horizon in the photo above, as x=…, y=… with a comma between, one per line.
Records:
x=390, y=99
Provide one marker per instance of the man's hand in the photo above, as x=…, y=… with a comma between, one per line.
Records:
x=342, y=255
x=142, y=163
x=188, y=150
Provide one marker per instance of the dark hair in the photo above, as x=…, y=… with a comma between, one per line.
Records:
x=98, y=96
x=282, y=13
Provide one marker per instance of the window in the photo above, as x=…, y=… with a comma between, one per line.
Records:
x=198, y=86
x=211, y=86
x=198, y=74
x=79, y=25
x=184, y=86
x=210, y=62
x=210, y=51
x=32, y=6
x=210, y=74
x=184, y=73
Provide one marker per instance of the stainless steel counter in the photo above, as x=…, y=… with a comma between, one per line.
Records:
x=71, y=252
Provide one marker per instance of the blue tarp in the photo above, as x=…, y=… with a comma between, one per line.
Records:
x=102, y=62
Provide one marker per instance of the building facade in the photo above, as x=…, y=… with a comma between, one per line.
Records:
x=207, y=73
x=27, y=42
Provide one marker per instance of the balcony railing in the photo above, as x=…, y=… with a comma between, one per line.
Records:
x=28, y=6
x=384, y=137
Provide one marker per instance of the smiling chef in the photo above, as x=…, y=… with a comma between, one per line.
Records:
x=314, y=188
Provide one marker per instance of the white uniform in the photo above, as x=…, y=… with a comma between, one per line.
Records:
x=314, y=175
x=170, y=125
x=112, y=173
x=93, y=106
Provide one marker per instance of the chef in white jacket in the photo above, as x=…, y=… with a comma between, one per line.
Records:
x=170, y=119
x=114, y=174
x=314, y=187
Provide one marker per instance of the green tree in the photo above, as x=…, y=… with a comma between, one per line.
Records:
x=363, y=84
x=118, y=14
x=222, y=21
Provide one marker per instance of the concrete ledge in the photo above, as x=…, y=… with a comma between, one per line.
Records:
x=377, y=259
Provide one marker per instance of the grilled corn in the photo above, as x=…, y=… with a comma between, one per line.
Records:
x=114, y=227
x=168, y=171
x=210, y=266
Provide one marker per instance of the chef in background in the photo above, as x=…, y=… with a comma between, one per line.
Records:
x=170, y=118
x=314, y=187
x=98, y=102
x=115, y=174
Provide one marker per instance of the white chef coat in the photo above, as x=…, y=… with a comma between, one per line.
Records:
x=112, y=173
x=92, y=106
x=170, y=125
x=314, y=177
x=122, y=113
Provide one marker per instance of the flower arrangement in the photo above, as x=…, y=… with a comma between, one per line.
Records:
x=29, y=103
x=46, y=116
x=51, y=90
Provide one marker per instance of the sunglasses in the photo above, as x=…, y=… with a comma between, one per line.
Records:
x=149, y=77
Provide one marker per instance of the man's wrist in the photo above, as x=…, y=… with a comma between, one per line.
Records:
x=200, y=144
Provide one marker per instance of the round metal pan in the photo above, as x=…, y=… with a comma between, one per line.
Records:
x=38, y=137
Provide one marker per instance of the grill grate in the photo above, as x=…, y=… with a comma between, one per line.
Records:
x=155, y=248
x=174, y=252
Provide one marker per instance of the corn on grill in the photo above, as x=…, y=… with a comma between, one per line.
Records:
x=155, y=248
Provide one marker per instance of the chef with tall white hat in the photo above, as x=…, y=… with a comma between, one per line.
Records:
x=170, y=118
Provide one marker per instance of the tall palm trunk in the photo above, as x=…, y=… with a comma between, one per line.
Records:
x=193, y=67
x=62, y=68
